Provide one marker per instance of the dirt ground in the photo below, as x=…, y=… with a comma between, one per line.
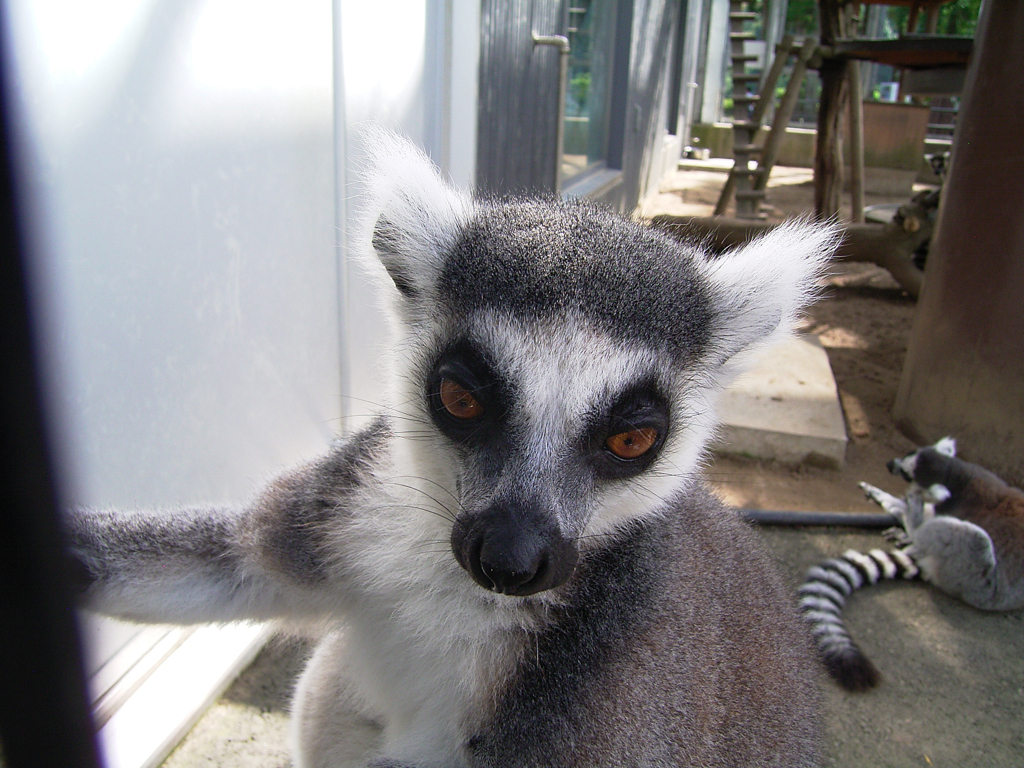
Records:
x=953, y=687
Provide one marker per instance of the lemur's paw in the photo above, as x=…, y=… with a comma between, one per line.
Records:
x=872, y=492
x=897, y=537
x=888, y=502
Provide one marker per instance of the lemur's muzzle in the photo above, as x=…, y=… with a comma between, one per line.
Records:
x=513, y=550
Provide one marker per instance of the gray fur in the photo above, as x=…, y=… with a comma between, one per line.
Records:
x=962, y=529
x=503, y=590
x=547, y=259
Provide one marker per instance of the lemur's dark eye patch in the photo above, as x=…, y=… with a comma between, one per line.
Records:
x=627, y=437
x=467, y=400
x=458, y=401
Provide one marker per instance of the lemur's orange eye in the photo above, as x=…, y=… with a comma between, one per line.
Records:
x=632, y=444
x=457, y=400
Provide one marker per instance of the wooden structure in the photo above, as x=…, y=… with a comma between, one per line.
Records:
x=836, y=65
x=895, y=246
x=836, y=60
x=754, y=176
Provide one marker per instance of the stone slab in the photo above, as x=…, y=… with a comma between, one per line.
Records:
x=786, y=408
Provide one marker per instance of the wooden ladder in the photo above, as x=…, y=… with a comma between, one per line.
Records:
x=748, y=178
x=746, y=113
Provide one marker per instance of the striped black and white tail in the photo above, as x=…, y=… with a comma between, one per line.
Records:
x=822, y=597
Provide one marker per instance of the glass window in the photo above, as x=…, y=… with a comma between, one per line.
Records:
x=591, y=33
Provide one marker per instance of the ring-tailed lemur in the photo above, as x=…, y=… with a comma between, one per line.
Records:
x=962, y=530
x=516, y=564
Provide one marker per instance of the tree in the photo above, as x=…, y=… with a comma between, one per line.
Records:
x=957, y=18
x=802, y=17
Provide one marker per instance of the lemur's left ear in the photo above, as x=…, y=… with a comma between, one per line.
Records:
x=761, y=287
x=946, y=446
x=412, y=216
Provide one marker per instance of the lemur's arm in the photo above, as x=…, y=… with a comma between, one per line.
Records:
x=277, y=555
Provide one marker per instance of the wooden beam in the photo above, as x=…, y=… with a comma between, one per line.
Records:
x=909, y=52
x=828, y=165
x=892, y=246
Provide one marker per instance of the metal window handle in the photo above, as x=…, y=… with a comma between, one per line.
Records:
x=561, y=42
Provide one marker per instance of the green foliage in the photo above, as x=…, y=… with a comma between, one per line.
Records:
x=957, y=18
x=579, y=91
x=802, y=17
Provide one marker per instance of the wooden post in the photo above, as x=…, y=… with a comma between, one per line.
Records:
x=828, y=162
x=912, y=17
x=856, y=142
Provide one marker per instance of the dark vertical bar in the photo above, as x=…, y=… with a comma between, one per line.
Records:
x=44, y=714
x=675, y=83
x=619, y=108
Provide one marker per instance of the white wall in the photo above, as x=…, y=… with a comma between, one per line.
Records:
x=181, y=156
x=195, y=168
x=410, y=65
x=192, y=172
x=184, y=168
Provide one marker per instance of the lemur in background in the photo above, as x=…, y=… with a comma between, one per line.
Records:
x=516, y=563
x=962, y=529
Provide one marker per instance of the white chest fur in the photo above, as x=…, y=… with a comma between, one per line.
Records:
x=416, y=663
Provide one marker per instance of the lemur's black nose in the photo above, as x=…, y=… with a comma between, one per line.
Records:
x=513, y=550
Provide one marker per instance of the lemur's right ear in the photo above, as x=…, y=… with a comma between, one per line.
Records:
x=761, y=288
x=413, y=215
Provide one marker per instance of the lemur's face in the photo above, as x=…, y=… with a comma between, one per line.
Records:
x=565, y=360
x=547, y=423
x=904, y=467
x=556, y=383
x=925, y=466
